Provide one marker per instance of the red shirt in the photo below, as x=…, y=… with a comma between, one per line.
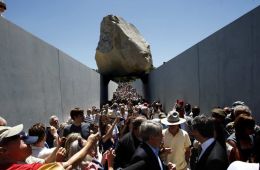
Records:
x=33, y=166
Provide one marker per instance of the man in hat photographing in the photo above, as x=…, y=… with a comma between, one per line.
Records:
x=15, y=148
x=177, y=139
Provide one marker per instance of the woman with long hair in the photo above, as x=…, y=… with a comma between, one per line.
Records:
x=106, y=132
x=242, y=140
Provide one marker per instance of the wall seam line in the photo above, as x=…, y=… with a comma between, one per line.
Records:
x=198, y=73
x=62, y=114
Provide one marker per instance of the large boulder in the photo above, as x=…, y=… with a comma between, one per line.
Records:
x=121, y=50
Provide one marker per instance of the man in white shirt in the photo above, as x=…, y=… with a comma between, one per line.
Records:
x=177, y=139
x=39, y=150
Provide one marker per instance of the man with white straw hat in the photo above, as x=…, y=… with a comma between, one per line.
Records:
x=177, y=139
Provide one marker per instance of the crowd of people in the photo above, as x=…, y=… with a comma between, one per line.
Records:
x=129, y=133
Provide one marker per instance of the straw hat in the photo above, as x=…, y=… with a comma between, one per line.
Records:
x=173, y=119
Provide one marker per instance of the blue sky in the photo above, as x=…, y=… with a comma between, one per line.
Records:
x=169, y=26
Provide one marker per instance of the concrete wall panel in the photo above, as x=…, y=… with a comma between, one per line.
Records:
x=112, y=86
x=208, y=72
x=37, y=80
x=29, y=77
x=237, y=75
x=79, y=85
x=176, y=79
x=138, y=85
x=255, y=99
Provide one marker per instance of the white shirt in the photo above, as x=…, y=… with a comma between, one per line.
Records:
x=115, y=131
x=40, y=152
x=178, y=143
x=31, y=159
x=205, y=145
x=238, y=165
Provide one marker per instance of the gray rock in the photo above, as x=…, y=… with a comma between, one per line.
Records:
x=121, y=49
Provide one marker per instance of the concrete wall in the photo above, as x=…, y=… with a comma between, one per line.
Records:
x=80, y=85
x=215, y=72
x=112, y=86
x=138, y=85
x=38, y=80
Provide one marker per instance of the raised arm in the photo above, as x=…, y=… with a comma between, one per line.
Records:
x=80, y=155
x=108, y=134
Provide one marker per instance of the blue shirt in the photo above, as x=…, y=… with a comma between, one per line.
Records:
x=156, y=152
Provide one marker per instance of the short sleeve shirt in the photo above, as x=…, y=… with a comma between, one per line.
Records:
x=178, y=144
x=83, y=130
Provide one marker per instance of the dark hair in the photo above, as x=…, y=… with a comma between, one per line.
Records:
x=257, y=146
x=204, y=125
x=243, y=122
x=37, y=129
x=187, y=107
x=138, y=121
x=76, y=112
x=195, y=110
x=102, y=125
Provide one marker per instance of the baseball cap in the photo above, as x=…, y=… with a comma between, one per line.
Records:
x=7, y=131
x=28, y=139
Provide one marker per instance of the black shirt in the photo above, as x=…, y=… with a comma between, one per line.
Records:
x=83, y=130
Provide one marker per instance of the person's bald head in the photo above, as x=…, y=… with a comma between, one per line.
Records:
x=54, y=121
